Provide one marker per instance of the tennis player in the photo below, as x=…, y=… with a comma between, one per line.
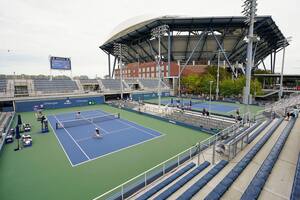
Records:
x=97, y=133
x=78, y=115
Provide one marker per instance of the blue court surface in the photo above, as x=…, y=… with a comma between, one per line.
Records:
x=81, y=146
x=199, y=105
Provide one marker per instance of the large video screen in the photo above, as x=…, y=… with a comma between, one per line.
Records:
x=60, y=63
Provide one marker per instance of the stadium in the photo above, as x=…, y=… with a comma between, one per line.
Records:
x=189, y=109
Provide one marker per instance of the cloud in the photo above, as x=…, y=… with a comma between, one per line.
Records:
x=34, y=29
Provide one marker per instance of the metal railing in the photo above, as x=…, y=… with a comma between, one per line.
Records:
x=142, y=180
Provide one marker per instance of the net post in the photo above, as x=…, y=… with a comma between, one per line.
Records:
x=119, y=115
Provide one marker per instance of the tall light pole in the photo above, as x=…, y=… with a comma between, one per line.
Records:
x=210, y=84
x=285, y=44
x=157, y=33
x=119, y=50
x=250, y=14
x=218, y=76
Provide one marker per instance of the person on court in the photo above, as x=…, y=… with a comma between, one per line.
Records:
x=97, y=133
x=78, y=115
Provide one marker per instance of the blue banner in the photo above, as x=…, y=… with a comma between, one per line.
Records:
x=31, y=105
x=146, y=96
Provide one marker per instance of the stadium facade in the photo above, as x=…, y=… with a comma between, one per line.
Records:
x=193, y=42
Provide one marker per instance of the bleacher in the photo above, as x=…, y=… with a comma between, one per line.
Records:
x=5, y=118
x=112, y=84
x=182, y=181
x=151, y=83
x=89, y=81
x=256, y=185
x=131, y=81
x=223, y=186
x=166, y=182
x=3, y=85
x=55, y=86
x=186, y=183
x=295, y=194
x=209, y=123
x=191, y=191
x=258, y=131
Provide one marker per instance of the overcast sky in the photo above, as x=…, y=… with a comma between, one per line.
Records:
x=31, y=30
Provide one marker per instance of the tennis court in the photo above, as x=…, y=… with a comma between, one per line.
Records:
x=76, y=136
x=218, y=107
x=200, y=104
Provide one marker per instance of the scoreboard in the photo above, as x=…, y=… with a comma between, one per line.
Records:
x=60, y=63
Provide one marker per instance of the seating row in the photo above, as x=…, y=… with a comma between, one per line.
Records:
x=166, y=182
x=259, y=130
x=3, y=84
x=152, y=177
x=54, y=86
x=227, y=181
x=151, y=83
x=112, y=84
x=89, y=81
x=249, y=130
x=176, y=186
x=257, y=183
x=295, y=194
x=196, y=187
x=235, y=134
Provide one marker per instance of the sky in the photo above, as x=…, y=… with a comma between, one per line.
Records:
x=32, y=30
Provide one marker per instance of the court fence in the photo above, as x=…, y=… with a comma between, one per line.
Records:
x=142, y=180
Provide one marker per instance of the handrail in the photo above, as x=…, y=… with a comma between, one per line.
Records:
x=205, y=143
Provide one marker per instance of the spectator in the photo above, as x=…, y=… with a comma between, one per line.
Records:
x=288, y=116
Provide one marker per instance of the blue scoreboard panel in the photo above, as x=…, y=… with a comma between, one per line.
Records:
x=60, y=63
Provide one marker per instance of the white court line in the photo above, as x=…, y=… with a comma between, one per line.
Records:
x=124, y=122
x=61, y=144
x=74, y=140
x=116, y=131
x=119, y=150
x=95, y=125
x=102, y=112
x=136, y=127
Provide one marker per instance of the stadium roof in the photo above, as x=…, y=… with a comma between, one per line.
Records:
x=230, y=31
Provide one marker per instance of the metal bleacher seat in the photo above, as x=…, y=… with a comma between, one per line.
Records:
x=256, y=185
x=196, y=187
x=112, y=84
x=176, y=186
x=227, y=181
x=89, y=81
x=295, y=194
x=3, y=83
x=258, y=131
x=151, y=83
x=55, y=85
x=166, y=182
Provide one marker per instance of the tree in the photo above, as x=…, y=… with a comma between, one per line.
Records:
x=226, y=87
x=205, y=84
x=190, y=84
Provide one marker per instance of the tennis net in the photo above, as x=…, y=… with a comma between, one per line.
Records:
x=84, y=121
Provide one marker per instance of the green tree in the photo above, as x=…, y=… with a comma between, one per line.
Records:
x=205, y=84
x=226, y=87
x=190, y=84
